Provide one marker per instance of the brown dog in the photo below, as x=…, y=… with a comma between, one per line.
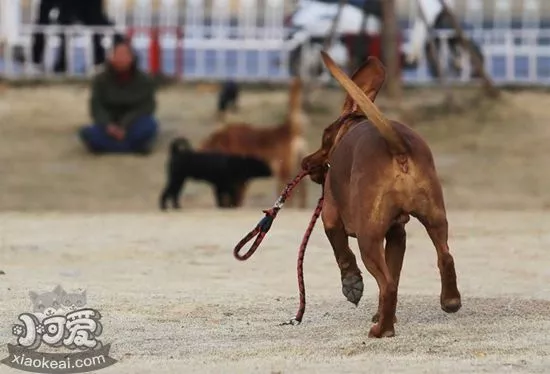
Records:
x=377, y=173
x=282, y=147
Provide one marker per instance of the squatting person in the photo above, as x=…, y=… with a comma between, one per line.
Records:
x=122, y=106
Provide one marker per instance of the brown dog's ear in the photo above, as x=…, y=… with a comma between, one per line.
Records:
x=365, y=105
x=369, y=78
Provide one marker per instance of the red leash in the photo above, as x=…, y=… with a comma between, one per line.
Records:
x=300, y=266
x=263, y=227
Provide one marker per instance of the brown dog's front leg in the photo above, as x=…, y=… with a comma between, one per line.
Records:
x=396, y=239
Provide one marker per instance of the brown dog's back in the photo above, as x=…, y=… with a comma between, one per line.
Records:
x=363, y=166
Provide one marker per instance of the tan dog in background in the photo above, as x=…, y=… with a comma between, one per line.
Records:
x=377, y=173
x=282, y=147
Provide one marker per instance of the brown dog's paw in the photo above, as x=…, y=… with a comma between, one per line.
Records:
x=352, y=288
x=376, y=318
x=451, y=305
x=376, y=332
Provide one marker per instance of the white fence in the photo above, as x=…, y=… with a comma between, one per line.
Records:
x=513, y=35
x=248, y=40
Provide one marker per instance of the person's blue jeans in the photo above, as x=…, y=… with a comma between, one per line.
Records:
x=139, y=137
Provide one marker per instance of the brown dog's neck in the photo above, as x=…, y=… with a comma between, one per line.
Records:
x=317, y=162
x=343, y=125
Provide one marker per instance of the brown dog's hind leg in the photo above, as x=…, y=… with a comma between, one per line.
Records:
x=352, y=281
x=396, y=238
x=434, y=219
x=450, y=296
x=372, y=253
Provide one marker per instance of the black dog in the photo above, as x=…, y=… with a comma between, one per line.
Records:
x=228, y=97
x=227, y=173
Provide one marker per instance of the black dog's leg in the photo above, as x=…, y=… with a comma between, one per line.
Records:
x=235, y=101
x=163, y=199
x=176, y=192
x=238, y=190
x=164, y=196
x=232, y=194
x=223, y=196
x=172, y=192
x=234, y=105
x=218, y=192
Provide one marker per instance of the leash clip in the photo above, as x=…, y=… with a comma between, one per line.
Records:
x=265, y=223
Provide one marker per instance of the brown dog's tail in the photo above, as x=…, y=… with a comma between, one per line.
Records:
x=297, y=119
x=397, y=146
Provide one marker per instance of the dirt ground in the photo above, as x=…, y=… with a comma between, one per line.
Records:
x=173, y=298
x=489, y=155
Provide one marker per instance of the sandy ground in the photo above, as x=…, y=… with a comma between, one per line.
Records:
x=177, y=302
x=174, y=300
x=489, y=155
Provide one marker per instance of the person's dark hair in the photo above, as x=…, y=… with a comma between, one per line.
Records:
x=122, y=40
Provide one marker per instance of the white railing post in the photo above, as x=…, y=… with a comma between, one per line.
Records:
x=142, y=22
x=474, y=14
x=246, y=23
x=444, y=55
x=49, y=57
x=220, y=16
x=88, y=52
x=169, y=13
x=503, y=14
x=10, y=21
x=530, y=17
x=116, y=9
x=273, y=19
x=168, y=22
x=34, y=10
x=247, y=19
x=195, y=30
x=531, y=22
x=510, y=57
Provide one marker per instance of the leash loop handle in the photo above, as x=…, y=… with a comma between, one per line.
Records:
x=259, y=232
x=265, y=223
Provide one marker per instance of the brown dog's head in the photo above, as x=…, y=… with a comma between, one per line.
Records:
x=369, y=78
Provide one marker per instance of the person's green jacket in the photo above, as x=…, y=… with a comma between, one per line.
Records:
x=120, y=101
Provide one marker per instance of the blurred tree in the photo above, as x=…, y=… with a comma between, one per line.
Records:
x=390, y=49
